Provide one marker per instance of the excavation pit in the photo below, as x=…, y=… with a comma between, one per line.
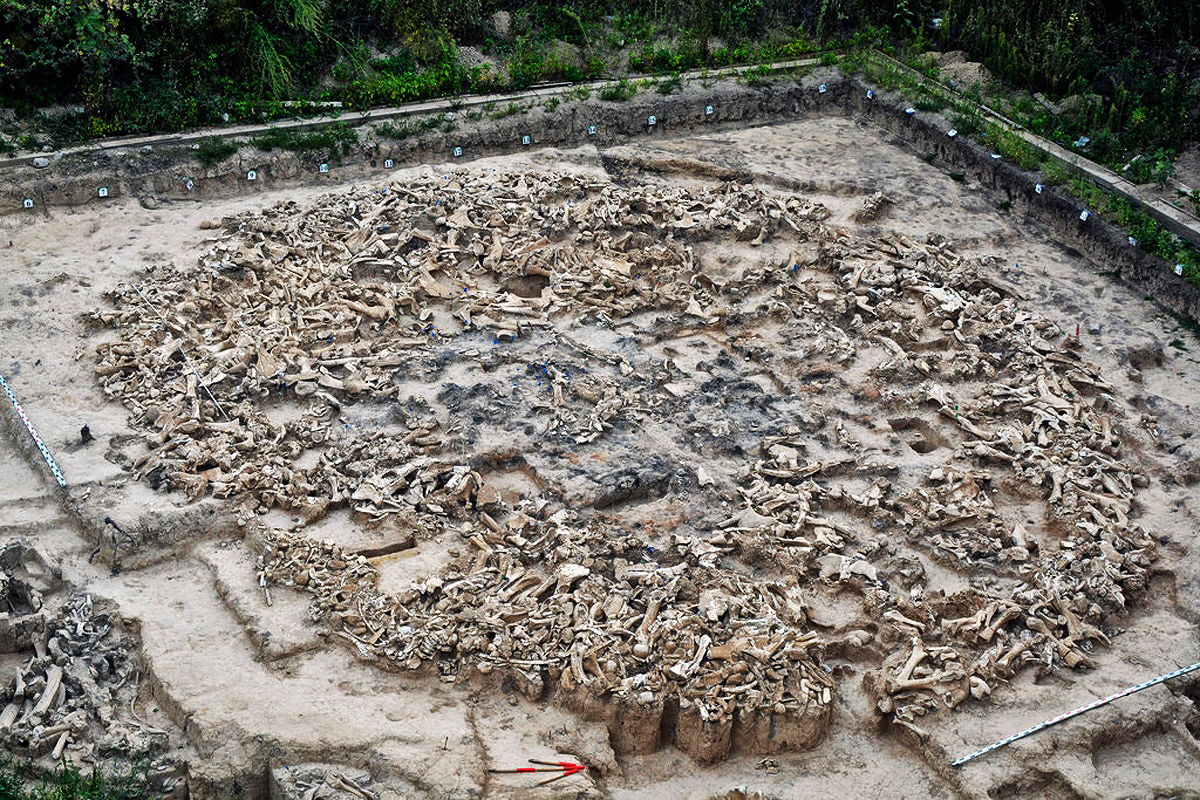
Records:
x=719, y=469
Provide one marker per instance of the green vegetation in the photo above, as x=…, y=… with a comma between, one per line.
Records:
x=215, y=150
x=670, y=85
x=1126, y=77
x=1117, y=83
x=68, y=782
x=619, y=92
x=334, y=140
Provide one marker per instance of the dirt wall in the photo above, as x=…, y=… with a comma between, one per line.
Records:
x=156, y=176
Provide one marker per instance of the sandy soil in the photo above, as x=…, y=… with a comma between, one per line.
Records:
x=251, y=692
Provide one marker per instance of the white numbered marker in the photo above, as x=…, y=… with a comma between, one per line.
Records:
x=324, y=168
x=591, y=130
x=1179, y=269
x=28, y=202
x=708, y=110
x=1037, y=187
x=1083, y=215
x=821, y=88
x=457, y=151
x=525, y=140
x=252, y=175
x=910, y=111
x=387, y=163
x=191, y=184
x=952, y=133
x=1133, y=241
x=103, y=191
x=651, y=120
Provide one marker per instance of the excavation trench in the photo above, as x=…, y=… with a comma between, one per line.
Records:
x=612, y=456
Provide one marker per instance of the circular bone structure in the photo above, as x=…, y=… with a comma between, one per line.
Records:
x=701, y=620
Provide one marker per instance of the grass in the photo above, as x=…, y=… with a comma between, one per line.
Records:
x=507, y=111
x=670, y=85
x=411, y=127
x=18, y=781
x=335, y=140
x=215, y=150
x=759, y=75
x=1151, y=236
x=619, y=92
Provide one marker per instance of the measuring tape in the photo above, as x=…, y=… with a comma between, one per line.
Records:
x=58, y=476
x=1077, y=712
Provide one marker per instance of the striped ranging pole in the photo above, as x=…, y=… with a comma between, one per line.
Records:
x=58, y=476
x=1082, y=709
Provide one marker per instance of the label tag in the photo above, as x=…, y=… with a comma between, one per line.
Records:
x=1037, y=187
x=952, y=133
x=1083, y=215
x=870, y=94
x=28, y=202
x=821, y=88
x=996, y=156
x=324, y=168
x=651, y=120
x=457, y=152
x=191, y=184
x=910, y=111
x=525, y=140
x=591, y=130
x=1179, y=269
x=1133, y=241
x=252, y=175
x=708, y=110
x=387, y=163
x=103, y=191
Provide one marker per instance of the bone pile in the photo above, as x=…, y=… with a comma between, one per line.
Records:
x=711, y=639
x=323, y=304
x=74, y=693
x=569, y=614
x=1035, y=420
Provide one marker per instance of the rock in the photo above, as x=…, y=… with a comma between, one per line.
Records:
x=957, y=69
x=41, y=162
x=1078, y=102
x=589, y=742
x=149, y=201
x=502, y=22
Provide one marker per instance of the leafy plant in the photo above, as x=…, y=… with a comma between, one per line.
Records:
x=1158, y=167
